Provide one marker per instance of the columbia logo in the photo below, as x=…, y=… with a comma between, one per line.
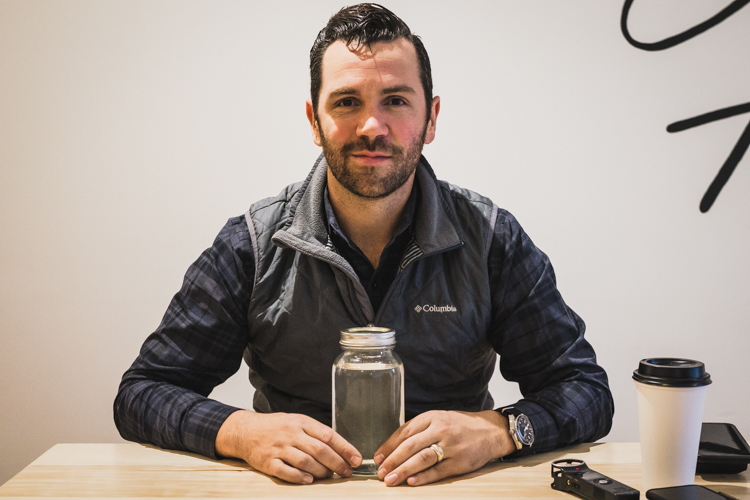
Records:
x=436, y=309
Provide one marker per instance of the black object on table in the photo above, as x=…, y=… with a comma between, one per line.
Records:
x=722, y=450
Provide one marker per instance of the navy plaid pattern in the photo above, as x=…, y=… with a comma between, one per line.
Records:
x=199, y=344
x=541, y=344
x=163, y=397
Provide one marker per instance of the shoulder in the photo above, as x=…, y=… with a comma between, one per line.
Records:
x=270, y=214
x=236, y=235
x=274, y=202
x=461, y=195
x=467, y=203
x=470, y=205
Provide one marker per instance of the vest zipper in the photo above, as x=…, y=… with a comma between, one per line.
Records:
x=355, y=279
x=349, y=272
x=398, y=276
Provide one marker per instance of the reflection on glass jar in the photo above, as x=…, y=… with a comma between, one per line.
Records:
x=368, y=391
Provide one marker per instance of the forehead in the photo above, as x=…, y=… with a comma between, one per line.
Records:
x=383, y=64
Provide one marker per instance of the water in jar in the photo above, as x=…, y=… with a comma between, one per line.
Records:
x=368, y=406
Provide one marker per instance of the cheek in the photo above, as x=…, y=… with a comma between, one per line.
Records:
x=409, y=125
x=337, y=131
x=408, y=132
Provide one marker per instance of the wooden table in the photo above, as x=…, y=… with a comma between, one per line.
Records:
x=138, y=471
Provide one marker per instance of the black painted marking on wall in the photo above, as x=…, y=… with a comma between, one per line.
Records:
x=734, y=157
x=681, y=37
x=744, y=141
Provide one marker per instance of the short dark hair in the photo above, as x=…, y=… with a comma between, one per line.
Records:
x=365, y=23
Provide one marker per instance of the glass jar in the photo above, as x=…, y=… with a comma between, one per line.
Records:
x=368, y=391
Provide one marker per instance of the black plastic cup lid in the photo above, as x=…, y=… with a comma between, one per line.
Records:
x=672, y=372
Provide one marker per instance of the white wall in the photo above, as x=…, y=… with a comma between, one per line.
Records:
x=131, y=130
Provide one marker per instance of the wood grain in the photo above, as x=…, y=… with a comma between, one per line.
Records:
x=138, y=471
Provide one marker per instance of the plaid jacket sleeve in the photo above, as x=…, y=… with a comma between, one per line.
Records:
x=162, y=398
x=541, y=345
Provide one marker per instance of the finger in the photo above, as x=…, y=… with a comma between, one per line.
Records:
x=325, y=455
x=329, y=437
x=406, y=450
x=304, y=462
x=283, y=471
x=420, y=461
x=409, y=429
x=435, y=473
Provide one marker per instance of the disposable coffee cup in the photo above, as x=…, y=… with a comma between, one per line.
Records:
x=671, y=397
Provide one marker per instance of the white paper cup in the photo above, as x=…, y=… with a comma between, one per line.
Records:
x=671, y=397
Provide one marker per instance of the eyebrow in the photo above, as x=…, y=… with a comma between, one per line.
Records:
x=398, y=89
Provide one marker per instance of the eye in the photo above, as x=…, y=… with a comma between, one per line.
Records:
x=346, y=103
x=396, y=101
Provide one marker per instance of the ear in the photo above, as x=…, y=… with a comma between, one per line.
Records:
x=313, y=122
x=429, y=135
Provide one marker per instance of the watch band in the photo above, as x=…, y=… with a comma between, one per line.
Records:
x=514, y=431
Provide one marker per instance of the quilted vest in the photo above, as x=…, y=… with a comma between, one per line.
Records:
x=305, y=293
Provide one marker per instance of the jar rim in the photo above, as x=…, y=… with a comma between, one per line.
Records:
x=368, y=336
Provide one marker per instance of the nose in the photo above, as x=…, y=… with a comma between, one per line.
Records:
x=372, y=124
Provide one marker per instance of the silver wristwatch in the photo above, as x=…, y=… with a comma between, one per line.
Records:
x=520, y=428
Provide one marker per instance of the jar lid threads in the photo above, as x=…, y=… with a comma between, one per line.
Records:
x=368, y=336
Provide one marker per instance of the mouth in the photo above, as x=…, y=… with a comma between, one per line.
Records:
x=371, y=154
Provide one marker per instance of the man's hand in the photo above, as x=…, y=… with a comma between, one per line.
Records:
x=292, y=447
x=469, y=441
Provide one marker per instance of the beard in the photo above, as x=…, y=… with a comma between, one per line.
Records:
x=370, y=181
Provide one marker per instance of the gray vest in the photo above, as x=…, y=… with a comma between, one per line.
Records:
x=305, y=293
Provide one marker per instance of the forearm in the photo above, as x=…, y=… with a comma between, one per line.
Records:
x=162, y=398
x=569, y=395
x=168, y=416
x=567, y=400
x=568, y=413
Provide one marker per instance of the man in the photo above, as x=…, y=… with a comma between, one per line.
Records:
x=369, y=235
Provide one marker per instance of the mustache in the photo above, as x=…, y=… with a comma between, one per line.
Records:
x=379, y=145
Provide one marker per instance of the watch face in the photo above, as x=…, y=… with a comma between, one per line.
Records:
x=524, y=429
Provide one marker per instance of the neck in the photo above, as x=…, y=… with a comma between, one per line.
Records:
x=369, y=223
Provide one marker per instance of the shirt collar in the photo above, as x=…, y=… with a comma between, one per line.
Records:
x=406, y=218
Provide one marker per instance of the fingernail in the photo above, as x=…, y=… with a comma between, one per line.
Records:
x=381, y=472
x=412, y=481
x=391, y=478
x=307, y=479
x=378, y=458
x=355, y=461
x=348, y=473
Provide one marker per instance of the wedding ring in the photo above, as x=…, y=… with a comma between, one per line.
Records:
x=438, y=451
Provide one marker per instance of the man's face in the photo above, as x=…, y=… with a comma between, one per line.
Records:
x=371, y=116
